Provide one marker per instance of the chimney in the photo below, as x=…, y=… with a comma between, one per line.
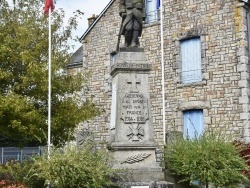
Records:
x=92, y=19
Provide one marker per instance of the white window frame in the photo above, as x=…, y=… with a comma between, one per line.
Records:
x=152, y=11
x=192, y=33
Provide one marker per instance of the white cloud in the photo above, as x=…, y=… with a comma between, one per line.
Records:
x=89, y=7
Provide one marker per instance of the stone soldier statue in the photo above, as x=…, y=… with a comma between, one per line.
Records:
x=133, y=15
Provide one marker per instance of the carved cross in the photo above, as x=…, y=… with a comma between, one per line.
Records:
x=135, y=132
x=133, y=85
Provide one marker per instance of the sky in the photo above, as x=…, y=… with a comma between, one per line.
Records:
x=89, y=7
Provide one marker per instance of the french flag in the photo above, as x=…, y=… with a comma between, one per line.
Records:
x=48, y=4
x=158, y=4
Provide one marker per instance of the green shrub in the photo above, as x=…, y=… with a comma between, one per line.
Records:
x=14, y=172
x=73, y=167
x=212, y=159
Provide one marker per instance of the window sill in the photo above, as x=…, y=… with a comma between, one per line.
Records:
x=203, y=82
x=154, y=23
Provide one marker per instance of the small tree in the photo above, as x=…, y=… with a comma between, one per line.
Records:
x=211, y=159
x=24, y=77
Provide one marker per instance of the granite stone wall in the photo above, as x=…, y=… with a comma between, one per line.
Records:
x=223, y=93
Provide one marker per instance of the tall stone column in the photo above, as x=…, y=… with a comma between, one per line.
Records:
x=133, y=146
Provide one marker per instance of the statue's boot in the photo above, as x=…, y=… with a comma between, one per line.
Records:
x=135, y=39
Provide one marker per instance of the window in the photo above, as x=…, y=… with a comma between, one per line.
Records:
x=112, y=62
x=152, y=10
x=113, y=107
x=193, y=121
x=112, y=58
x=191, y=60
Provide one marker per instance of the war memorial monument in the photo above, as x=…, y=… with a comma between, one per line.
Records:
x=132, y=137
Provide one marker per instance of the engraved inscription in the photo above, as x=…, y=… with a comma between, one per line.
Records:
x=134, y=108
x=132, y=66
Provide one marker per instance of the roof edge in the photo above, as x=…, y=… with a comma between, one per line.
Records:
x=246, y=1
x=93, y=24
x=73, y=65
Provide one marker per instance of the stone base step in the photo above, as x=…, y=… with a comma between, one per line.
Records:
x=152, y=184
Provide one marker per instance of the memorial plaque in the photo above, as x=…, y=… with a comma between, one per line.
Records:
x=134, y=108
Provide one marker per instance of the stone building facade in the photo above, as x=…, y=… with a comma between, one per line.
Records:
x=221, y=90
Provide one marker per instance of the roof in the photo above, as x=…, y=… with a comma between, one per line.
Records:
x=246, y=1
x=97, y=19
x=77, y=56
x=76, y=59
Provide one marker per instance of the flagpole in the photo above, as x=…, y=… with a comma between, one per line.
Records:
x=49, y=86
x=163, y=77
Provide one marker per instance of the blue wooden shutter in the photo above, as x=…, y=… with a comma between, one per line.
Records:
x=191, y=60
x=193, y=123
x=151, y=11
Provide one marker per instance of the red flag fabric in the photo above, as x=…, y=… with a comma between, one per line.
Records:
x=48, y=4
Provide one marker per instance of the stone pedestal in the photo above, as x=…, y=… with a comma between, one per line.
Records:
x=132, y=144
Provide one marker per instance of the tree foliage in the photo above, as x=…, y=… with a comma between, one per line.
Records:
x=210, y=159
x=24, y=76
